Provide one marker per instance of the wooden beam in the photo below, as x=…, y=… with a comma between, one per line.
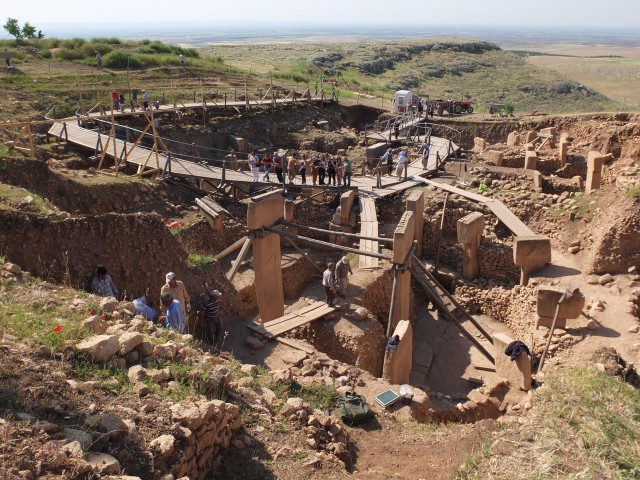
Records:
x=243, y=253
x=235, y=246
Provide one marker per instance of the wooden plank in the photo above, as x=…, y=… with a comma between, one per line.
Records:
x=243, y=253
x=298, y=313
x=298, y=322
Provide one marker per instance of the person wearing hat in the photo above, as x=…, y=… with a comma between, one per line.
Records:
x=343, y=270
x=173, y=318
x=178, y=291
x=210, y=313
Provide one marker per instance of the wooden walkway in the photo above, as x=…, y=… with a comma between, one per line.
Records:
x=145, y=158
x=210, y=105
x=369, y=228
x=288, y=322
x=499, y=209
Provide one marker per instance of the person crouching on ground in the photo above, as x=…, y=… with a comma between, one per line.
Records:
x=174, y=318
x=329, y=283
x=102, y=284
x=343, y=270
x=210, y=313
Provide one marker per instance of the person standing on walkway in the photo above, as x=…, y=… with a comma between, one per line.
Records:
x=145, y=100
x=254, y=165
x=314, y=171
x=292, y=168
x=331, y=172
x=266, y=161
x=321, y=170
x=115, y=101
x=210, y=314
x=181, y=58
x=425, y=155
x=402, y=161
x=347, y=173
x=339, y=170
x=388, y=158
x=329, y=283
x=343, y=270
x=303, y=169
x=277, y=165
x=134, y=99
x=98, y=59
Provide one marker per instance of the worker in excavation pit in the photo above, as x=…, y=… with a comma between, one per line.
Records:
x=178, y=291
x=210, y=315
x=343, y=270
x=173, y=318
x=330, y=283
x=102, y=284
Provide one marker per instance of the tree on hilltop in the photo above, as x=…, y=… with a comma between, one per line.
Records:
x=26, y=31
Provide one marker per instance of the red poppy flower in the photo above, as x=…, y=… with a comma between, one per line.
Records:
x=102, y=319
x=58, y=328
x=91, y=312
x=182, y=224
x=164, y=219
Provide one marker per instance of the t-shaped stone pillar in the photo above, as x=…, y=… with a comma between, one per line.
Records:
x=531, y=160
x=397, y=365
x=531, y=253
x=346, y=204
x=548, y=298
x=415, y=204
x=402, y=241
x=595, y=162
x=265, y=211
x=469, y=234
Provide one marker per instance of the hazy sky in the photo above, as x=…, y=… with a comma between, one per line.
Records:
x=579, y=13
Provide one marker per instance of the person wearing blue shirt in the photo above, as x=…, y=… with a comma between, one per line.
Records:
x=174, y=318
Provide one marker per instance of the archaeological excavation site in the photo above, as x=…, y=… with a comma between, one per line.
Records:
x=440, y=270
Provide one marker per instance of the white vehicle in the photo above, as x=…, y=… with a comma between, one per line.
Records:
x=403, y=101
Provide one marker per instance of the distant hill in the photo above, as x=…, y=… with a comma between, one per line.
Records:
x=448, y=68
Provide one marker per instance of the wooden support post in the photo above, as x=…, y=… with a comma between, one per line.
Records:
x=304, y=255
x=444, y=209
x=236, y=265
x=232, y=248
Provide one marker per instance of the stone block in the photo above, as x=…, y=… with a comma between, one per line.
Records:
x=548, y=321
x=376, y=151
x=100, y=347
x=595, y=162
x=517, y=372
x=494, y=157
x=415, y=204
x=537, y=180
x=346, y=204
x=531, y=160
x=578, y=181
x=397, y=365
x=403, y=237
x=470, y=227
x=549, y=131
x=563, y=150
x=289, y=209
x=479, y=145
x=530, y=136
x=531, y=253
x=513, y=140
x=265, y=210
x=548, y=299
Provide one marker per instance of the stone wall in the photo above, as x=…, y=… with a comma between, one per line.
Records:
x=315, y=214
x=514, y=307
x=201, y=238
x=137, y=249
x=203, y=428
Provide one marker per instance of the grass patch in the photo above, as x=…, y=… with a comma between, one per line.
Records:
x=587, y=425
x=318, y=396
x=633, y=193
x=200, y=261
x=16, y=197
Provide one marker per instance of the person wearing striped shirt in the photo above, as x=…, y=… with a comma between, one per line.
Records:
x=210, y=313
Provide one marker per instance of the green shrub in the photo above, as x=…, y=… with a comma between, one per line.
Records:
x=121, y=59
x=109, y=40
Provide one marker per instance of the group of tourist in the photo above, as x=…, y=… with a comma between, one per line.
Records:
x=403, y=161
x=325, y=169
x=175, y=305
x=118, y=101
